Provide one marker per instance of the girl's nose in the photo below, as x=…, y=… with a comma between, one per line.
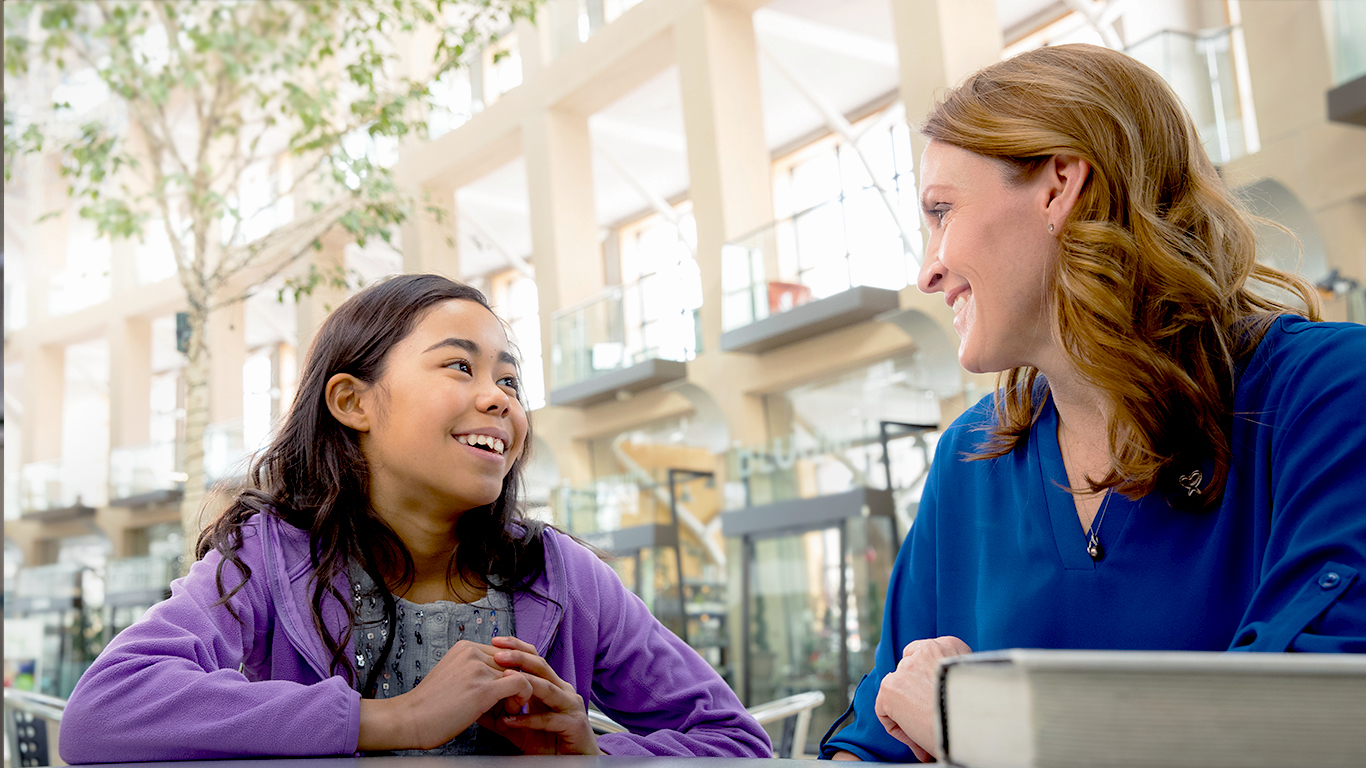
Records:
x=492, y=399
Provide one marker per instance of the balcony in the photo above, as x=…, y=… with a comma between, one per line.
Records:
x=226, y=455
x=1200, y=68
x=628, y=339
x=657, y=534
x=58, y=491
x=828, y=267
x=1347, y=101
x=145, y=475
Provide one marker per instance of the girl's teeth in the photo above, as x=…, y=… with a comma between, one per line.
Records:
x=959, y=302
x=492, y=443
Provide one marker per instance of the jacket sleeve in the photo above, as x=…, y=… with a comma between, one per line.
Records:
x=170, y=686
x=650, y=681
x=908, y=615
x=1308, y=481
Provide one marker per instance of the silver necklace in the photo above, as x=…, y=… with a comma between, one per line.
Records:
x=1093, y=545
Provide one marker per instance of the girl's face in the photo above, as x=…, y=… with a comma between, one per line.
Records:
x=444, y=422
x=990, y=253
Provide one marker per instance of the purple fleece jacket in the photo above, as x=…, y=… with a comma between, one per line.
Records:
x=169, y=687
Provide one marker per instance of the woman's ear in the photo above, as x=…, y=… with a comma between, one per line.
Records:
x=344, y=400
x=1065, y=177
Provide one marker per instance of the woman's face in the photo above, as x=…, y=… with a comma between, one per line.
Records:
x=445, y=424
x=991, y=254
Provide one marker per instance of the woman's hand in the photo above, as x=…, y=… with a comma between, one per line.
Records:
x=906, y=700
x=464, y=685
x=552, y=719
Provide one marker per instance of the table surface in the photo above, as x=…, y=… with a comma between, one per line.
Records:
x=477, y=761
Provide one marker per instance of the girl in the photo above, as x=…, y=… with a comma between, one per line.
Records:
x=377, y=590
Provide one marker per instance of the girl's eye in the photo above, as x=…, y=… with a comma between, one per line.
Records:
x=462, y=365
x=510, y=382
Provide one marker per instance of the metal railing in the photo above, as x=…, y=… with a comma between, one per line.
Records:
x=27, y=715
x=40, y=709
x=798, y=706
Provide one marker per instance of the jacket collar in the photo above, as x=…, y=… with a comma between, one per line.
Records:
x=538, y=610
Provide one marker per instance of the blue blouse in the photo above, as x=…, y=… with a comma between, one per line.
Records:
x=998, y=557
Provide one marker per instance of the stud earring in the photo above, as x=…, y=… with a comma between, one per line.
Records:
x=1050, y=227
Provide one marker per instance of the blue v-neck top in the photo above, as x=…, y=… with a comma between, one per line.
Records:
x=998, y=558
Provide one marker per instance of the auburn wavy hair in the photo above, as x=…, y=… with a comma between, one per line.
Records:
x=314, y=477
x=1152, y=283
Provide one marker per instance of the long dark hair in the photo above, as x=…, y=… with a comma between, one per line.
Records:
x=313, y=475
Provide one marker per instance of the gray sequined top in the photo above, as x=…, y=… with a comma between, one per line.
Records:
x=422, y=635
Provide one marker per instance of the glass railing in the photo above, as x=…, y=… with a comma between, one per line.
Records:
x=609, y=504
x=805, y=465
x=225, y=453
x=1349, y=40
x=626, y=325
x=1200, y=68
x=59, y=484
x=827, y=249
x=138, y=469
x=133, y=575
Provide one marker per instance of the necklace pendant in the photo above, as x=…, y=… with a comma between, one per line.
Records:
x=1095, y=550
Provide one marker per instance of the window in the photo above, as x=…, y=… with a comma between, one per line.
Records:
x=661, y=286
x=516, y=300
x=842, y=231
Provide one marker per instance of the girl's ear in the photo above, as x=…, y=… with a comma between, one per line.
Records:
x=343, y=395
x=1065, y=176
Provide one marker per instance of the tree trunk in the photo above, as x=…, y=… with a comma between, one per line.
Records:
x=196, y=420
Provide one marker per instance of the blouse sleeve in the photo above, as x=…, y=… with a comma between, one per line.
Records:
x=170, y=687
x=1304, y=412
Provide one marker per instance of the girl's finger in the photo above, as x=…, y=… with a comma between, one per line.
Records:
x=557, y=698
x=550, y=721
x=529, y=663
x=515, y=643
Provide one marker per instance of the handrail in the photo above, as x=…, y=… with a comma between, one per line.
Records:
x=783, y=708
x=42, y=705
x=798, y=705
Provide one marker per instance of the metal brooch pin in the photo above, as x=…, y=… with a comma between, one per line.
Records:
x=1191, y=482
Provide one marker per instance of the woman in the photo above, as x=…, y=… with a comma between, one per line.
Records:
x=1170, y=460
x=377, y=591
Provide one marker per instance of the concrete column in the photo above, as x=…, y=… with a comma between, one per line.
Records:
x=564, y=225
x=130, y=381
x=311, y=310
x=123, y=267
x=940, y=42
x=559, y=27
x=228, y=349
x=728, y=156
x=429, y=236
x=45, y=385
x=730, y=170
x=532, y=46
x=1287, y=92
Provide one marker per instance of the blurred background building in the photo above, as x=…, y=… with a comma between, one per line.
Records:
x=699, y=218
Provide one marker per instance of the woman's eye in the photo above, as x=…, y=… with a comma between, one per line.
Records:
x=510, y=382
x=461, y=365
x=936, y=214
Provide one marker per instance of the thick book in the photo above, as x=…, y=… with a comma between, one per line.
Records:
x=1057, y=709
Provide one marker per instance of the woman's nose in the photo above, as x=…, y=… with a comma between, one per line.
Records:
x=931, y=273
